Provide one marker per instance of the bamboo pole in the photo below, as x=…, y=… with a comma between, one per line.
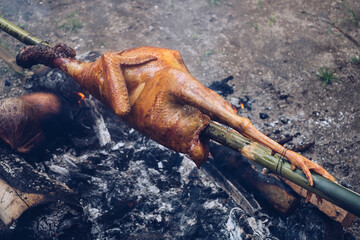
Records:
x=322, y=187
x=18, y=33
x=333, y=192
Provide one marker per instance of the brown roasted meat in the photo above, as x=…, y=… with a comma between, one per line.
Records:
x=26, y=120
x=152, y=90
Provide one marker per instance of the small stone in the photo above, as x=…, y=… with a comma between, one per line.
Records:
x=284, y=120
x=283, y=96
x=235, y=102
x=263, y=116
x=277, y=131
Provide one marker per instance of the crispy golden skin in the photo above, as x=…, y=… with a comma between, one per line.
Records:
x=140, y=85
x=154, y=92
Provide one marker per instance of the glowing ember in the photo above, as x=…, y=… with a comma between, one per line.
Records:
x=81, y=95
x=234, y=108
x=242, y=106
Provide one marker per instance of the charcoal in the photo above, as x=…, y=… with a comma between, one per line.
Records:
x=57, y=220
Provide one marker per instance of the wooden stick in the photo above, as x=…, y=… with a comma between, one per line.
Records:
x=9, y=59
x=22, y=187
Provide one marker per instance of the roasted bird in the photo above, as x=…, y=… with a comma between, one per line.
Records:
x=152, y=90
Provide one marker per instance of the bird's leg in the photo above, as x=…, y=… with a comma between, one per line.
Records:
x=194, y=93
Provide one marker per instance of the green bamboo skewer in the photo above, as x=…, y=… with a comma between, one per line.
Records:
x=333, y=192
x=18, y=33
x=324, y=188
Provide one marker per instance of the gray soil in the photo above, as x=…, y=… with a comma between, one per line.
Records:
x=273, y=50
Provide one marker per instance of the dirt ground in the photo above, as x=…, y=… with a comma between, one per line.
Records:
x=274, y=50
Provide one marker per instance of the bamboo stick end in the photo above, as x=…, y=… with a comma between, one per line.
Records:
x=336, y=213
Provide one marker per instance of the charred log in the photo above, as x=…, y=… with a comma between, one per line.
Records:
x=37, y=206
x=56, y=220
x=22, y=176
x=267, y=189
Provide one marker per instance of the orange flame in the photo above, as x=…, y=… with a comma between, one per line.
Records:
x=81, y=95
x=234, y=108
x=242, y=106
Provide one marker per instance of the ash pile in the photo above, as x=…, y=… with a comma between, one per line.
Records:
x=117, y=184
